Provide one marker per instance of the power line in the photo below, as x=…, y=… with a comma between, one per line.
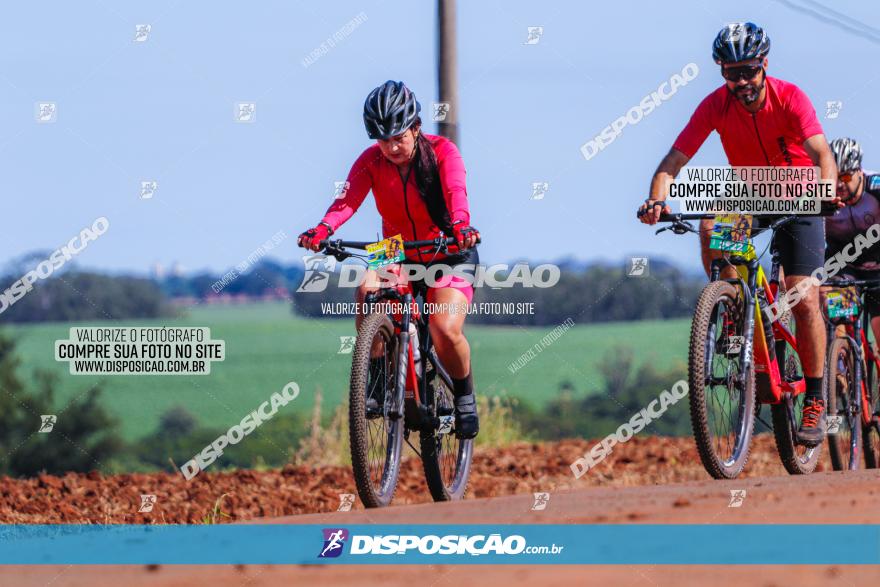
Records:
x=844, y=17
x=863, y=31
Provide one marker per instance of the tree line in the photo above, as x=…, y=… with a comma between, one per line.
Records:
x=597, y=292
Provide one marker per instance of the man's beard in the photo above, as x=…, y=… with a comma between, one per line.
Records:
x=750, y=96
x=847, y=195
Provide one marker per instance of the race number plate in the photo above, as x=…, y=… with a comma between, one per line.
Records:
x=385, y=252
x=732, y=233
x=842, y=303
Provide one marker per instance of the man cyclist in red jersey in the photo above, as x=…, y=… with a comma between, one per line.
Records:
x=418, y=183
x=763, y=121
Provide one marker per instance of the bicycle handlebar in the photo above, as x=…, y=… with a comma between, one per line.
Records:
x=846, y=282
x=680, y=217
x=704, y=215
x=337, y=248
x=680, y=224
x=406, y=244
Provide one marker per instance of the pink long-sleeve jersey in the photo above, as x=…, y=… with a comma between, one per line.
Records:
x=402, y=209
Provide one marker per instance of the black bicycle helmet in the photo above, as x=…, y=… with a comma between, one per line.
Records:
x=847, y=155
x=740, y=41
x=389, y=110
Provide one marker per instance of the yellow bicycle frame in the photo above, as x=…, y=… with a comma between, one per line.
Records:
x=771, y=385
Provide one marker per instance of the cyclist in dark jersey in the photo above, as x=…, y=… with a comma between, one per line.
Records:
x=860, y=192
x=763, y=121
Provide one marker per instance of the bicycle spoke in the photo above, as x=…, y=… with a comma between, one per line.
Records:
x=724, y=399
x=379, y=428
x=844, y=412
x=447, y=443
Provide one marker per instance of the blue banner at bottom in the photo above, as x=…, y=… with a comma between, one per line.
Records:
x=613, y=544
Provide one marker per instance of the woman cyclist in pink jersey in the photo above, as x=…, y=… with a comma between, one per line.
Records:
x=418, y=183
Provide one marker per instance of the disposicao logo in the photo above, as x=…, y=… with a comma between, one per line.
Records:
x=334, y=541
x=317, y=274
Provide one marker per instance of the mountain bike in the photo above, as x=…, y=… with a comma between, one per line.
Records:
x=853, y=366
x=740, y=358
x=398, y=386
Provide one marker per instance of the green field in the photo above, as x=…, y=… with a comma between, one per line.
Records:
x=267, y=346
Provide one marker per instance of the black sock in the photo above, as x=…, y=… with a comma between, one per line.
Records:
x=814, y=387
x=463, y=386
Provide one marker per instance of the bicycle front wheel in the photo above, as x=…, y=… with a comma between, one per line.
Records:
x=843, y=415
x=376, y=435
x=871, y=430
x=722, y=396
x=445, y=457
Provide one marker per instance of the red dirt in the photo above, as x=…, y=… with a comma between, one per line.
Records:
x=850, y=497
x=522, y=468
x=652, y=480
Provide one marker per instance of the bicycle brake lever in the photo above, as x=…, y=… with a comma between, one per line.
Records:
x=334, y=250
x=659, y=230
x=442, y=247
x=682, y=226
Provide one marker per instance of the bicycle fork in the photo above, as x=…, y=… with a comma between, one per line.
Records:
x=854, y=401
x=747, y=289
x=395, y=410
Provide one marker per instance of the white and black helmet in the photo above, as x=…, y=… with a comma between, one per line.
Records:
x=740, y=41
x=390, y=110
x=847, y=155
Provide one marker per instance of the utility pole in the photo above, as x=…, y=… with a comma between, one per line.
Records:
x=447, y=69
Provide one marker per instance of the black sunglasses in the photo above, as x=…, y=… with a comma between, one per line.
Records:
x=745, y=72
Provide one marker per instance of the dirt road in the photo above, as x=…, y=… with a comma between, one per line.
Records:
x=826, y=497
x=244, y=495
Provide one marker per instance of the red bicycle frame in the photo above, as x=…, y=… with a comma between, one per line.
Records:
x=772, y=386
x=868, y=354
x=405, y=291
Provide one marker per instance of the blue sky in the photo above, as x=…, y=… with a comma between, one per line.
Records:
x=163, y=110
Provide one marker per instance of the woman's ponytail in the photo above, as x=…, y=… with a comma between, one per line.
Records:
x=428, y=181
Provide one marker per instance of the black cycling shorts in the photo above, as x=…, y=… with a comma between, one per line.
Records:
x=801, y=244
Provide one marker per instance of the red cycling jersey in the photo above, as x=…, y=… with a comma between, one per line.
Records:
x=772, y=136
x=402, y=209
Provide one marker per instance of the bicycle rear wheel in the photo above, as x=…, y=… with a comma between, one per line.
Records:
x=843, y=416
x=871, y=431
x=786, y=415
x=446, y=458
x=376, y=436
x=722, y=396
x=871, y=444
